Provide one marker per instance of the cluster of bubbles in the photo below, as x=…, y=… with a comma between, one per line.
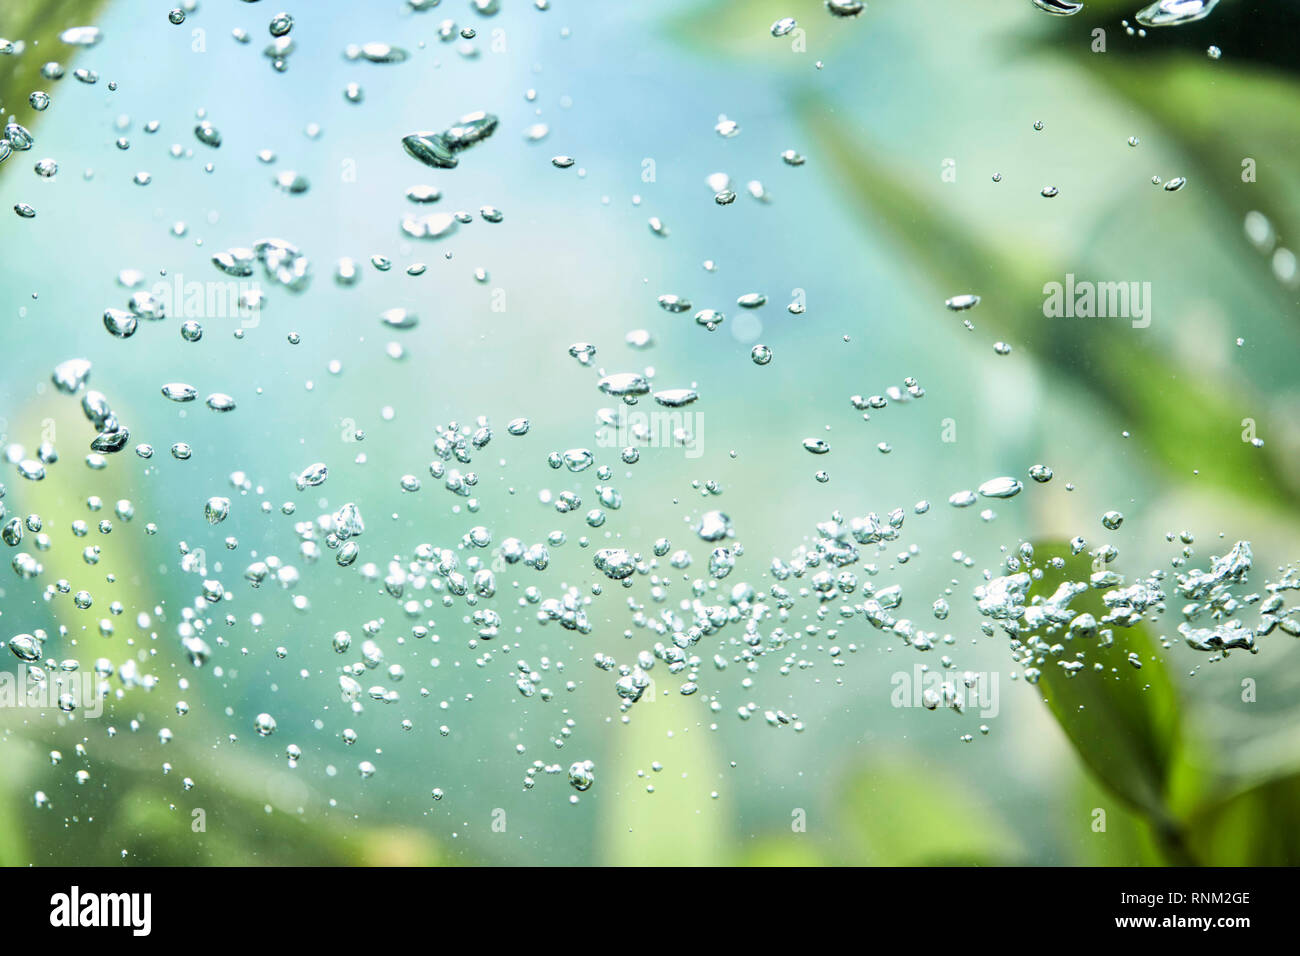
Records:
x=814, y=607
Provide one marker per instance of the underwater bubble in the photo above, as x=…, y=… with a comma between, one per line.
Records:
x=25, y=647
x=713, y=526
x=470, y=129
x=845, y=8
x=582, y=774
x=399, y=319
x=1004, y=487
x=423, y=194
x=283, y=263
x=1061, y=8
x=216, y=509
x=1172, y=13
x=18, y=136
x=960, y=303
x=584, y=352
x=312, y=476
x=146, y=305
x=760, y=354
x=207, y=134
x=81, y=36
x=784, y=27
x=121, y=324
x=180, y=392
x=69, y=376
x=434, y=225
x=111, y=441
x=375, y=52
x=578, y=459
x=615, y=563
x=235, y=262
x=727, y=128
x=431, y=149
x=290, y=182
x=676, y=397
x=622, y=384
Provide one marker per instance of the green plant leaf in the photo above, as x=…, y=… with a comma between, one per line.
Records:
x=895, y=815
x=784, y=851
x=1124, y=838
x=1140, y=385
x=1122, y=721
x=1253, y=827
x=633, y=820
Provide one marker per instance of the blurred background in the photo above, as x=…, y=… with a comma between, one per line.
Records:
x=922, y=181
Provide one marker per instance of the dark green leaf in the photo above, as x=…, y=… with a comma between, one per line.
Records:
x=1123, y=721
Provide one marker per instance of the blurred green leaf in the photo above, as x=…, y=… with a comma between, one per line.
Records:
x=1142, y=386
x=13, y=846
x=37, y=23
x=783, y=851
x=1220, y=118
x=1126, y=840
x=894, y=814
x=744, y=27
x=1258, y=826
x=1123, y=721
x=634, y=821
